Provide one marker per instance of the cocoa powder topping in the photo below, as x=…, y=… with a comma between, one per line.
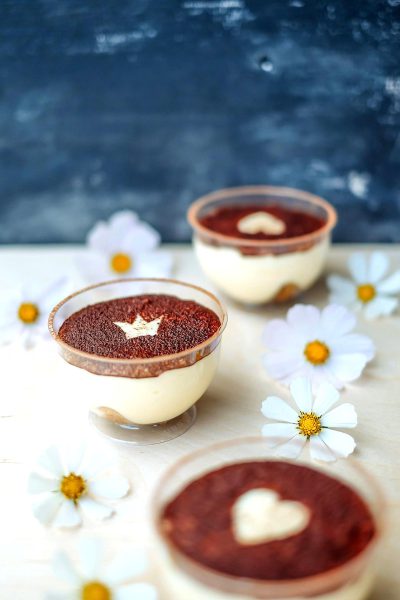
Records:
x=199, y=522
x=225, y=220
x=184, y=324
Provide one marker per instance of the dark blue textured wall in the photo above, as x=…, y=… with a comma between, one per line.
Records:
x=149, y=103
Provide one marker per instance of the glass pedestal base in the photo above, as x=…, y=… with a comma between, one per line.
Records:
x=120, y=430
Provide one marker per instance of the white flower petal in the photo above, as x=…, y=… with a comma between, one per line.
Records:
x=358, y=267
x=153, y=264
x=353, y=343
x=65, y=570
x=324, y=374
x=136, y=591
x=341, y=444
x=74, y=455
x=302, y=393
x=320, y=451
x=128, y=234
x=380, y=306
x=326, y=396
x=280, y=364
x=46, y=508
x=278, y=433
x=391, y=285
x=293, y=447
x=94, y=464
x=98, y=238
x=94, y=510
x=38, y=484
x=342, y=416
x=347, y=367
x=91, y=554
x=304, y=319
x=341, y=285
x=336, y=320
x=122, y=221
x=95, y=267
x=278, y=335
x=378, y=266
x=125, y=566
x=51, y=461
x=112, y=487
x=276, y=408
x=68, y=515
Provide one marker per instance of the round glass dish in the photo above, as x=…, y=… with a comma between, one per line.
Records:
x=142, y=401
x=185, y=578
x=256, y=271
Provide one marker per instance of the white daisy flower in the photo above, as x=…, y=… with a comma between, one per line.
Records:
x=318, y=345
x=312, y=422
x=94, y=579
x=368, y=290
x=124, y=247
x=24, y=311
x=72, y=483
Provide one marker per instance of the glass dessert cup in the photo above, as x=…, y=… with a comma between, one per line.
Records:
x=143, y=400
x=185, y=578
x=254, y=271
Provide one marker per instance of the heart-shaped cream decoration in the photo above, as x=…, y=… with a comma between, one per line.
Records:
x=259, y=516
x=261, y=222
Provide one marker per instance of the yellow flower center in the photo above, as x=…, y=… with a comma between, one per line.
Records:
x=366, y=292
x=317, y=352
x=95, y=590
x=73, y=486
x=121, y=263
x=309, y=424
x=28, y=312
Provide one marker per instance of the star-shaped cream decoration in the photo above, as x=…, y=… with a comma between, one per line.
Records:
x=139, y=327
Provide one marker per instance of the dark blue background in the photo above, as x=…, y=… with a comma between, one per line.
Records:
x=150, y=103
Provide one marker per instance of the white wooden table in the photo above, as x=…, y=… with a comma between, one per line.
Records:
x=35, y=409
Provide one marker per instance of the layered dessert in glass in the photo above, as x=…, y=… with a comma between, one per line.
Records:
x=143, y=351
x=260, y=244
x=231, y=521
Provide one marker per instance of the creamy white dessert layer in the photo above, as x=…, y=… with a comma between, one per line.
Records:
x=181, y=586
x=149, y=400
x=258, y=279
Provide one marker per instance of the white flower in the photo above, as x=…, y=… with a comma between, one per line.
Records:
x=312, y=421
x=97, y=580
x=318, y=345
x=124, y=247
x=368, y=290
x=69, y=484
x=24, y=311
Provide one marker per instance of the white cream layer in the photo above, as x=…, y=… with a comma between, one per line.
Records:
x=149, y=400
x=258, y=279
x=180, y=586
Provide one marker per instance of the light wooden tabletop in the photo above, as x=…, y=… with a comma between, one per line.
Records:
x=35, y=409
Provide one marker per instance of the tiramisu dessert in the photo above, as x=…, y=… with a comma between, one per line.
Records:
x=262, y=244
x=266, y=529
x=146, y=358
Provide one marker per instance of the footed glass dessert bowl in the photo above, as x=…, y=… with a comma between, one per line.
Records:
x=261, y=244
x=231, y=521
x=140, y=352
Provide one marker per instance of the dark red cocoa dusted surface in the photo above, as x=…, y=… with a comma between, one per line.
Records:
x=198, y=522
x=226, y=218
x=185, y=324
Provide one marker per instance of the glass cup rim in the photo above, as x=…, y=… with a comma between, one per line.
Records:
x=138, y=361
x=289, y=585
x=288, y=192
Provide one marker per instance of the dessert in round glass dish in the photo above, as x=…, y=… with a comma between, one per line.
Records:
x=260, y=243
x=232, y=521
x=147, y=350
